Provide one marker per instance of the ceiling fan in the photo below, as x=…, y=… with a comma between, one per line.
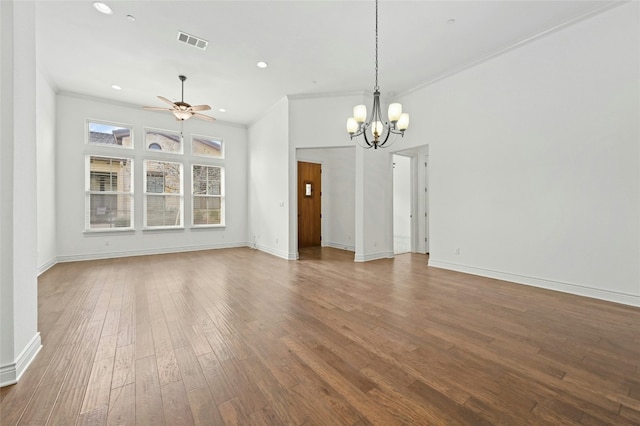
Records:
x=182, y=110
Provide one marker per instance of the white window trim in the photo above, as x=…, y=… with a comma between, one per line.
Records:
x=89, y=192
x=222, y=196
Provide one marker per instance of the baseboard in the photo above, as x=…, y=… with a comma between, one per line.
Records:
x=147, y=252
x=47, y=265
x=282, y=254
x=579, y=290
x=373, y=256
x=338, y=246
x=11, y=373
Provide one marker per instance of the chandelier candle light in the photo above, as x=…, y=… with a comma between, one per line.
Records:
x=376, y=132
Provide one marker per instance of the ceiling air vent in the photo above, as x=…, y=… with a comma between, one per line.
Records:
x=192, y=40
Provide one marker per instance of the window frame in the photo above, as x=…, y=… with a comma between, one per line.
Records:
x=89, y=192
x=87, y=132
x=147, y=194
x=222, y=197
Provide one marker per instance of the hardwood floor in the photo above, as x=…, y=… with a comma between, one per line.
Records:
x=236, y=336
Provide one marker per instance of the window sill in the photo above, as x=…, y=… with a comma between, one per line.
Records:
x=99, y=231
x=196, y=227
x=163, y=228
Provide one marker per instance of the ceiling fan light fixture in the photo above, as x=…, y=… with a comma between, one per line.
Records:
x=182, y=115
x=102, y=8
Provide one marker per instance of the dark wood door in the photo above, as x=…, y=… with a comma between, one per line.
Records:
x=309, y=204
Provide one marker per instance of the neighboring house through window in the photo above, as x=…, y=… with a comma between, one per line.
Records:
x=163, y=204
x=208, y=195
x=109, y=193
x=101, y=133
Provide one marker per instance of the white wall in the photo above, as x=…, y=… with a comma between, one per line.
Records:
x=46, y=176
x=269, y=176
x=321, y=123
x=19, y=336
x=76, y=244
x=374, y=204
x=338, y=194
x=535, y=163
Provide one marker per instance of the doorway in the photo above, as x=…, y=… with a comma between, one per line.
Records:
x=309, y=204
x=411, y=176
x=402, y=205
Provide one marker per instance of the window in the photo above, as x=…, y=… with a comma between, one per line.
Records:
x=109, y=134
x=163, y=202
x=163, y=140
x=208, y=195
x=109, y=193
x=206, y=146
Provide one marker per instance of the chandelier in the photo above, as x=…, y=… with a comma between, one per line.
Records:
x=375, y=132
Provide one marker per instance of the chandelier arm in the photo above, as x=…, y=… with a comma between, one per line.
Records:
x=366, y=140
x=386, y=138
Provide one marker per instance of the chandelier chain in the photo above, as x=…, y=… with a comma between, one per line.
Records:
x=376, y=88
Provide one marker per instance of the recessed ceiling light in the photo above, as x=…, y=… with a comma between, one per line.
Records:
x=102, y=8
x=222, y=110
x=116, y=87
x=262, y=64
x=131, y=18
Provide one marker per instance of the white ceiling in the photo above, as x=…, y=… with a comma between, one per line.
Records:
x=312, y=47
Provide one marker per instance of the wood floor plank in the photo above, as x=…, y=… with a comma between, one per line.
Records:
x=232, y=413
x=177, y=410
x=219, y=386
x=236, y=336
x=67, y=407
x=190, y=370
x=203, y=407
x=41, y=405
x=97, y=417
x=98, y=386
x=124, y=366
x=148, y=401
x=121, y=411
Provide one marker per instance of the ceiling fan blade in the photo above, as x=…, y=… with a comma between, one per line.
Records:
x=163, y=99
x=157, y=109
x=203, y=117
x=200, y=108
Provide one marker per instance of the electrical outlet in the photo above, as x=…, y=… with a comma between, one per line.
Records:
x=457, y=250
